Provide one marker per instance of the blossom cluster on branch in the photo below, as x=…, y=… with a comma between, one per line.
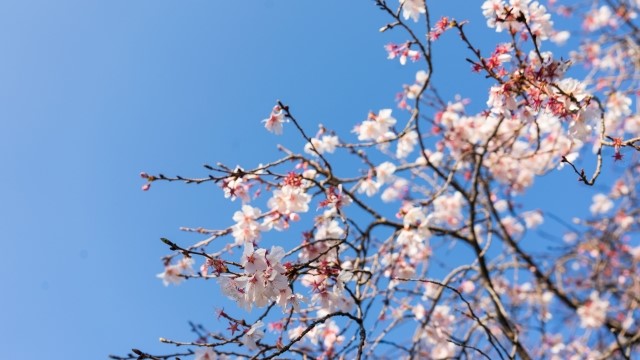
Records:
x=372, y=275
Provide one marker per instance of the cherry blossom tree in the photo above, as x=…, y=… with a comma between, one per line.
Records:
x=372, y=276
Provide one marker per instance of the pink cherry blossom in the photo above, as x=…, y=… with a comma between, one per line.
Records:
x=275, y=121
x=172, y=274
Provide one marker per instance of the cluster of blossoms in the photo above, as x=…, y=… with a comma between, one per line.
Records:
x=235, y=188
x=376, y=127
x=525, y=144
x=322, y=143
x=286, y=204
x=402, y=52
x=514, y=15
x=383, y=174
x=174, y=274
x=327, y=278
x=447, y=210
x=411, y=92
x=594, y=312
x=436, y=335
x=501, y=55
x=326, y=334
x=601, y=17
x=379, y=128
x=264, y=280
x=412, y=244
x=357, y=267
x=441, y=26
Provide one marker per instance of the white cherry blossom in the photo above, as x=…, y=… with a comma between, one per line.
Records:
x=412, y=9
x=601, y=204
x=593, y=313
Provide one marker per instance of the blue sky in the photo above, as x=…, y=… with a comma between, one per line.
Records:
x=92, y=93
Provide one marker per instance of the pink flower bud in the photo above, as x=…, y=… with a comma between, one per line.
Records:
x=294, y=217
x=144, y=175
x=146, y=186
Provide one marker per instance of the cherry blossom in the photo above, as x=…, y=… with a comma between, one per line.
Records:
x=601, y=204
x=396, y=191
x=503, y=16
x=598, y=18
x=236, y=188
x=593, y=313
x=322, y=144
x=406, y=144
x=384, y=172
x=376, y=127
x=247, y=229
x=172, y=274
x=289, y=199
x=447, y=209
x=402, y=52
x=369, y=187
x=263, y=279
x=253, y=335
x=275, y=121
x=467, y=286
x=532, y=219
x=412, y=9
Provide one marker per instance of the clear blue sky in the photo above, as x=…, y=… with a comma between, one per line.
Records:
x=93, y=92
